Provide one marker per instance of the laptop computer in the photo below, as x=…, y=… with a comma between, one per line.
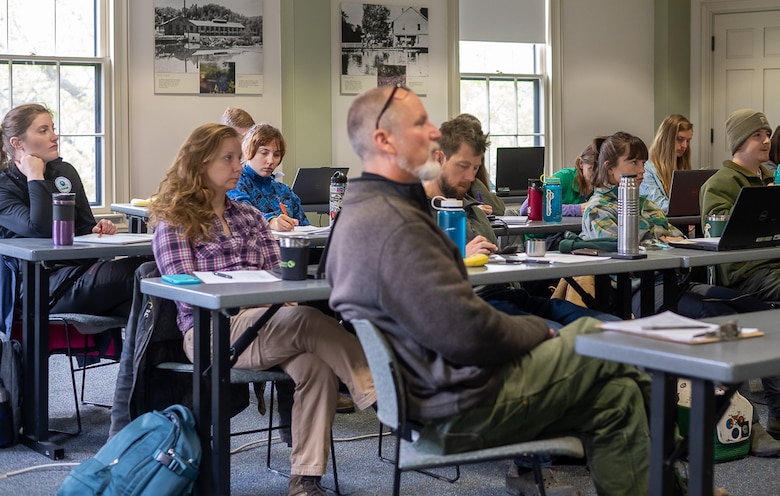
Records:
x=684, y=191
x=754, y=223
x=312, y=184
x=515, y=166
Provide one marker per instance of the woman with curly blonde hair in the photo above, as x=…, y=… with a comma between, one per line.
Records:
x=198, y=228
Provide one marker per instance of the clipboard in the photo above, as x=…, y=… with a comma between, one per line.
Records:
x=669, y=326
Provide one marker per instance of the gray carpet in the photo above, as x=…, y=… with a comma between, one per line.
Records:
x=360, y=471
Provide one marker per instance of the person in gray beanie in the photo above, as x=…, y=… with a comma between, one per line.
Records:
x=747, y=135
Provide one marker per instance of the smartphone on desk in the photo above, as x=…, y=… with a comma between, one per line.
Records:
x=588, y=251
x=179, y=279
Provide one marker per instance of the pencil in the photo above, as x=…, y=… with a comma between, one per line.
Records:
x=673, y=327
x=284, y=209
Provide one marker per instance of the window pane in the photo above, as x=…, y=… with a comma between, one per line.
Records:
x=82, y=153
x=503, y=111
x=76, y=42
x=5, y=101
x=77, y=100
x=474, y=99
x=527, y=122
x=35, y=83
x=31, y=27
x=3, y=27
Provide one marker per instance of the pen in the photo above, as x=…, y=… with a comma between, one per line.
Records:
x=222, y=274
x=284, y=209
x=530, y=261
x=479, y=196
x=673, y=327
x=100, y=230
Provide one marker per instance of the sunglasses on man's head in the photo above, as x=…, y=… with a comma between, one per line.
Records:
x=388, y=102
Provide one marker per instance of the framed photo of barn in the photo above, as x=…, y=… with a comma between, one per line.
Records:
x=384, y=45
x=216, y=48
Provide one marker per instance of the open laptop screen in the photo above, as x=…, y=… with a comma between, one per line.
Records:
x=684, y=191
x=515, y=166
x=312, y=185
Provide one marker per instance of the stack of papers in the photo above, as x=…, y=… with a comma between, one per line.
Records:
x=114, y=239
x=513, y=220
x=304, y=231
x=669, y=326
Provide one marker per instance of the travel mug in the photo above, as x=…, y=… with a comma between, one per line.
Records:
x=715, y=225
x=63, y=207
x=295, y=257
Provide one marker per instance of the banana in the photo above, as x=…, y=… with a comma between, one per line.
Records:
x=477, y=260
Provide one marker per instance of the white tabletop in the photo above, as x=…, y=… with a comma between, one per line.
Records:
x=43, y=249
x=727, y=362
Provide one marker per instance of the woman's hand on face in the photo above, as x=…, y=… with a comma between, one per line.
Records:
x=480, y=244
x=488, y=209
x=283, y=223
x=32, y=167
x=104, y=226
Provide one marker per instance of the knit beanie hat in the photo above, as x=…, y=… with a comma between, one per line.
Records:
x=741, y=124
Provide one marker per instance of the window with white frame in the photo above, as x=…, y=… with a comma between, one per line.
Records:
x=502, y=85
x=53, y=52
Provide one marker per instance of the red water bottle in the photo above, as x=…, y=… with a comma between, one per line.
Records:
x=535, y=195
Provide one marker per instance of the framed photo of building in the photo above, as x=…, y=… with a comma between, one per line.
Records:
x=384, y=45
x=216, y=48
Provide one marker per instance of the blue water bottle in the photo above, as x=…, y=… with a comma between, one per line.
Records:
x=777, y=177
x=552, y=210
x=452, y=220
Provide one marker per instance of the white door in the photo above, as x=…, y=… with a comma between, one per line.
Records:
x=746, y=71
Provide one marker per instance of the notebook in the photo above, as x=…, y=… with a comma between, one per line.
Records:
x=684, y=191
x=515, y=166
x=114, y=239
x=312, y=185
x=754, y=223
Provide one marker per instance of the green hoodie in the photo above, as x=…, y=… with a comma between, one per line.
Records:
x=717, y=197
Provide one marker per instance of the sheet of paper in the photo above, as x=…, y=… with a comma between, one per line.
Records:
x=549, y=257
x=673, y=327
x=236, y=276
x=114, y=239
x=303, y=230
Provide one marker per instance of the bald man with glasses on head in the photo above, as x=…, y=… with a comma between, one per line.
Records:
x=476, y=376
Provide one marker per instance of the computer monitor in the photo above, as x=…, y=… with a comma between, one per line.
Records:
x=312, y=184
x=515, y=166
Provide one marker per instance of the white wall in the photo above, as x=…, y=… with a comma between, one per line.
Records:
x=606, y=73
x=159, y=124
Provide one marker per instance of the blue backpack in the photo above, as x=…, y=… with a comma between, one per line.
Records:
x=157, y=453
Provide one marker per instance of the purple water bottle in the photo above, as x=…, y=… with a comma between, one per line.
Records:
x=63, y=209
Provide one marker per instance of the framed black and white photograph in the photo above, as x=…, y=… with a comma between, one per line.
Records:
x=212, y=48
x=384, y=45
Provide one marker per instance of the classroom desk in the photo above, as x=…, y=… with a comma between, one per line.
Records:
x=727, y=363
x=32, y=253
x=699, y=258
x=136, y=216
x=211, y=308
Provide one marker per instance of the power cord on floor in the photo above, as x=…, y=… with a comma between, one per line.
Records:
x=251, y=444
x=39, y=467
